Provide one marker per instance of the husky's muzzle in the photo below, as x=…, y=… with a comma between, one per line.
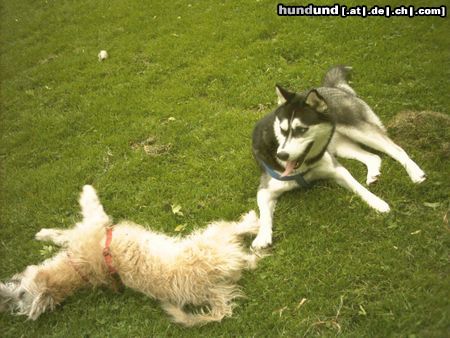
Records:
x=292, y=165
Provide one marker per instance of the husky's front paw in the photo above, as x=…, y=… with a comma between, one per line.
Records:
x=263, y=240
x=380, y=206
x=372, y=178
x=418, y=177
x=415, y=173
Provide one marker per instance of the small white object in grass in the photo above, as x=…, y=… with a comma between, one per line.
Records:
x=103, y=55
x=171, y=119
x=301, y=303
x=176, y=210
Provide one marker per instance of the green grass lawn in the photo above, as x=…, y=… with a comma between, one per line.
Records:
x=196, y=76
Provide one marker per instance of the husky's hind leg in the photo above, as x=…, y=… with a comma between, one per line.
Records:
x=329, y=167
x=373, y=137
x=346, y=180
x=343, y=147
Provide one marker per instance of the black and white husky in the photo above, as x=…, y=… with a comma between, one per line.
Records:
x=297, y=144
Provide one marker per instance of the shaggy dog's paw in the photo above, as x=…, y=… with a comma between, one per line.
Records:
x=248, y=224
x=250, y=217
x=263, y=240
x=88, y=196
x=251, y=261
x=44, y=235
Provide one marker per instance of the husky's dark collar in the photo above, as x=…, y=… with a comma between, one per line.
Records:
x=297, y=177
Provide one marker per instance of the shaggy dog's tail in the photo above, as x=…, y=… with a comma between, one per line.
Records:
x=337, y=77
x=180, y=316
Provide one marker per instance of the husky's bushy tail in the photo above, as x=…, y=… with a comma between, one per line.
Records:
x=337, y=77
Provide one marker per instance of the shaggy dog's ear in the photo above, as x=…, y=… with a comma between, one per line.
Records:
x=44, y=299
x=6, y=298
x=40, y=304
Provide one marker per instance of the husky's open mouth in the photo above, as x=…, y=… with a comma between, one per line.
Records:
x=293, y=165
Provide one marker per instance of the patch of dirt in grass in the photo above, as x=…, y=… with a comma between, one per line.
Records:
x=151, y=147
x=428, y=131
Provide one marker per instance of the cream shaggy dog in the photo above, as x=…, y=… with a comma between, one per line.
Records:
x=200, y=270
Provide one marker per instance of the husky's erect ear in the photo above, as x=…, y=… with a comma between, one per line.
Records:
x=284, y=95
x=316, y=101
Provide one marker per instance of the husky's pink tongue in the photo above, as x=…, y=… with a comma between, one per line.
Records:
x=290, y=166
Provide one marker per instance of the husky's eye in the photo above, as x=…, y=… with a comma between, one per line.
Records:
x=284, y=132
x=21, y=294
x=299, y=131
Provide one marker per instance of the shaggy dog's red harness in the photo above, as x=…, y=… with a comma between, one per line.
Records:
x=116, y=281
x=75, y=267
x=117, y=284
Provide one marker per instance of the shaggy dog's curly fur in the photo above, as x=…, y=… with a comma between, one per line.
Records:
x=198, y=271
